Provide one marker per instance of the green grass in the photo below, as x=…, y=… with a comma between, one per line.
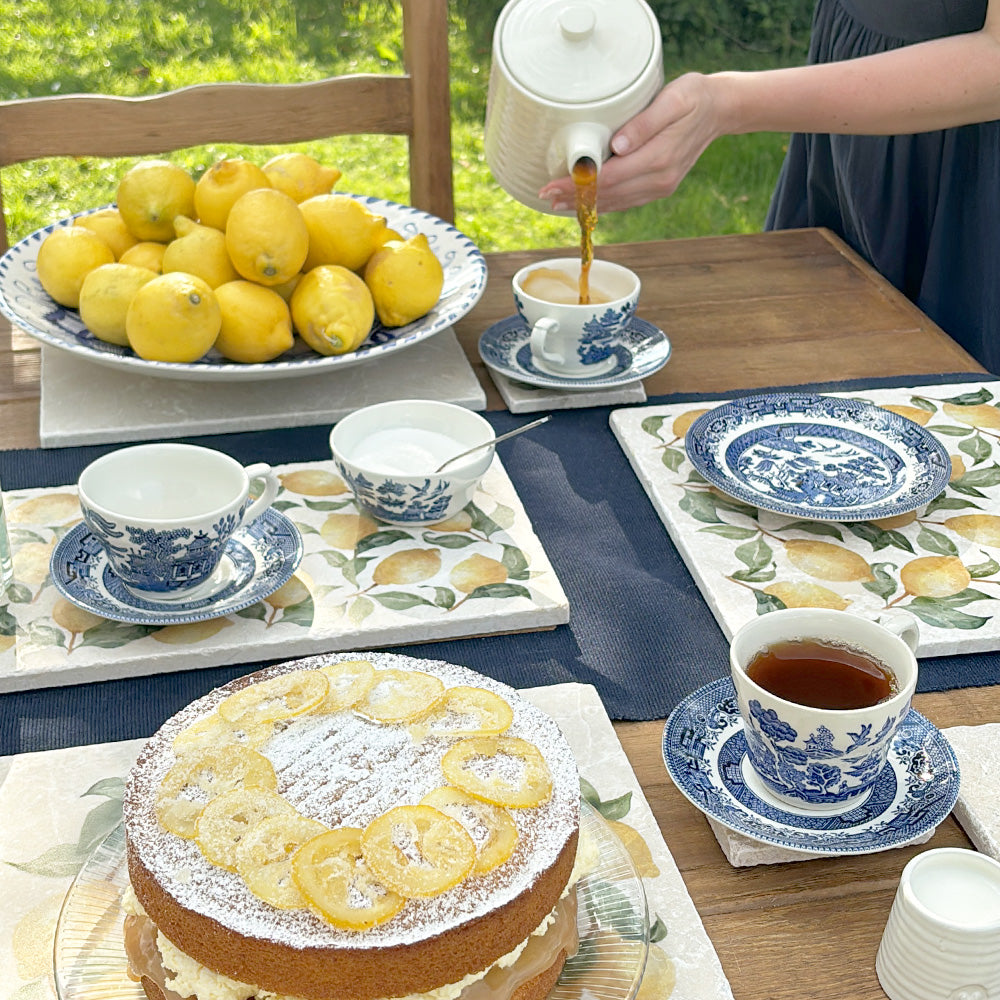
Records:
x=138, y=47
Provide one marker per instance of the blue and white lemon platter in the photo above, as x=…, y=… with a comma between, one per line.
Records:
x=820, y=457
x=258, y=559
x=705, y=752
x=25, y=303
x=641, y=350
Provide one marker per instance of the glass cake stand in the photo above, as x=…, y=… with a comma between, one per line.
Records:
x=89, y=954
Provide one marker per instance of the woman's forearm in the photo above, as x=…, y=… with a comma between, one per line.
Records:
x=930, y=85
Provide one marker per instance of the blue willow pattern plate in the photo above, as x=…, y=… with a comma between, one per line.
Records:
x=820, y=457
x=257, y=560
x=25, y=303
x=640, y=350
x=705, y=752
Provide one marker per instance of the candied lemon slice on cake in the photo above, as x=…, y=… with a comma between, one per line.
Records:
x=470, y=711
x=280, y=697
x=333, y=876
x=504, y=770
x=227, y=819
x=349, y=681
x=214, y=731
x=264, y=857
x=418, y=850
x=199, y=777
x=491, y=827
x=400, y=696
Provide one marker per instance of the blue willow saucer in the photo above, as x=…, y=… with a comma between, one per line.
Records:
x=820, y=457
x=706, y=755
x=641, y=350
x=257, y=560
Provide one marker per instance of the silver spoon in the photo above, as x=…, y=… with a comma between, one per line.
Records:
x=487, y=444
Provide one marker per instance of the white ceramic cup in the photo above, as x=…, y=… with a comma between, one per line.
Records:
x=388, y=454
x=942, y=938
x=164, y=513
x=817, y=759
x=570, y=339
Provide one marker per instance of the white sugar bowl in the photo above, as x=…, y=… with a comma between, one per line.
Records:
x=566, y=74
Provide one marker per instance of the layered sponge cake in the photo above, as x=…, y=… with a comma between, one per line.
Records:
x=353, y=827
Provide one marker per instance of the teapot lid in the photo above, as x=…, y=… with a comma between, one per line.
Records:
x=576, y=51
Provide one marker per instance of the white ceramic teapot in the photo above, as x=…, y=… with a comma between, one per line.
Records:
x=566, y=74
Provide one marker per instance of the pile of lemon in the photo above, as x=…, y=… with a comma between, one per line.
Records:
x=241, y=260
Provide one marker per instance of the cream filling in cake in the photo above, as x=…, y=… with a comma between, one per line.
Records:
x=177, y=974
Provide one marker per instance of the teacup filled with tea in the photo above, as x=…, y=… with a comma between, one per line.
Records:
x=821, y=694
x=575, y=324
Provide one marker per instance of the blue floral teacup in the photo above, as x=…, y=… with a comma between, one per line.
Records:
x=820, y=759
x=571, y=336
x=164, y=514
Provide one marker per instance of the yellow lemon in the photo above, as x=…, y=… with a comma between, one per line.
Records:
x=286, y=288
x=151, y=195
x=67, y=255
x=105, y=297
x=199, y=250
x=332, y=310
x=219, y=187
x=266, y=236
x=300, y=176
x=405, y=279
x=174, y=317
x=341, y=231
x=110, y=226
x=256, y=323
x=145, y=254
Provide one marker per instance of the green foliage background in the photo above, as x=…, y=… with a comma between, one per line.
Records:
x=144, y=46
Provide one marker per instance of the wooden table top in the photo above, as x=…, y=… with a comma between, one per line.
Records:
x=742, y=312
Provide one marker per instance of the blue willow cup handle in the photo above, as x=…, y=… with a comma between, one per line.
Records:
x=257, y=507
x=539, y=335
x=903, y=623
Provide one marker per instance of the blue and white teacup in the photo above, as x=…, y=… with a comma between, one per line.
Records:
x=165, y=512
x=822, y=760
x=570, y=339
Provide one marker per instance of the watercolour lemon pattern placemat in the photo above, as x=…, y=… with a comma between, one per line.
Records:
x=940, y=562
x=361, y=583
x=59, y=805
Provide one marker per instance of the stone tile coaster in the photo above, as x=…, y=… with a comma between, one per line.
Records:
x=523, y=398
x=978, y=807
x=482, y=572
x=941, y=562
x=745, y=852
x=84, y=403
x=58, y=804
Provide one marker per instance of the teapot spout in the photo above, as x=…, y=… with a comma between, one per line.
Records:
x=575, y=142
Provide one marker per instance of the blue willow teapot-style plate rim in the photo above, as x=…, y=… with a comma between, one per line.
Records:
x=26, y=304
x=818, y=457
x=704, y=751
x=259, y=558
x=506, y=348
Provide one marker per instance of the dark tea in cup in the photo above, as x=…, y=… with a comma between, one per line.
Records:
x=821, y=674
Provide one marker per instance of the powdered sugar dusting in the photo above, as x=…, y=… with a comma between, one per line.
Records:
x=344, y=770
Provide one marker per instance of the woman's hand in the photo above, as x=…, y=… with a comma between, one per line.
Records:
x=655, y=150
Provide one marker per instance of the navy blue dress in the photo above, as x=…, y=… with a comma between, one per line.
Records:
x=924, y=209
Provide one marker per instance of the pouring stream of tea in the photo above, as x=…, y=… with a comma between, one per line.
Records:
x=492, y=441
x=585, y=180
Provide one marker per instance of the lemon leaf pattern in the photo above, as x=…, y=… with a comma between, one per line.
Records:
x=922, y=560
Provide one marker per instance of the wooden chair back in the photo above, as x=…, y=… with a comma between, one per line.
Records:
x=415, y=103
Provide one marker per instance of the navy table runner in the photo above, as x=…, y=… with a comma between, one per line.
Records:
x=639, y=629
